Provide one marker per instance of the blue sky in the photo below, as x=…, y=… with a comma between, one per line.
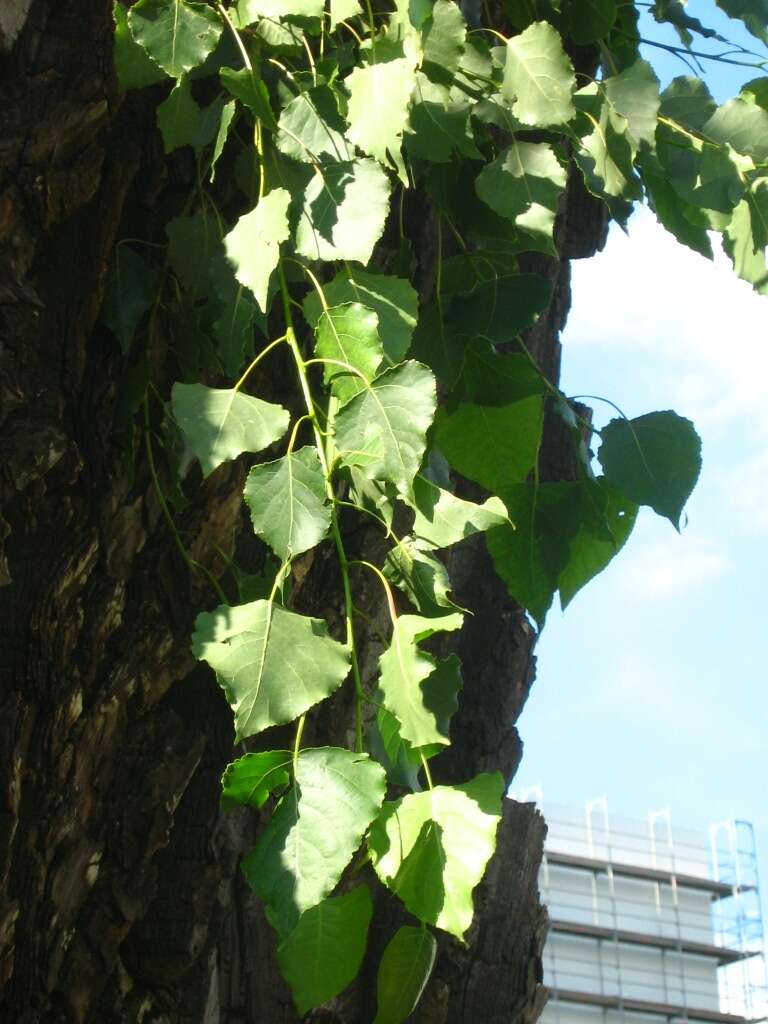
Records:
x=651, y=689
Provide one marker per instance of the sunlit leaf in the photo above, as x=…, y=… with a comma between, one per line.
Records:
x=177, y=35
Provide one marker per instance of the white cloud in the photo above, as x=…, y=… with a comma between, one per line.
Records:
x=704, y=329
x=668, y=568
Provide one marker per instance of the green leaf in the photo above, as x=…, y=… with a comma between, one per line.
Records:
x=250, y=780
x=413, y=568
x=670, y=209
x=129, y=294
x=538, y=77
x=591, y=550
x=530, y=556
x=405, y=969
x=443, y=37
x=343, y=212
x=443, y=519
x=393, y=299
x=739, y=242
x=134, y=68
x=324, y=952
x=654, y=460
x=311, y=126
x=423, y=711
x=233, y=330
x=247, y=87
x=288, y=502
x=439, y=126
x=349, y=334
x=221, y=424
x=251, y=10
x=343, y=10
x=634, y=94
x=703, y=175
x=501, y=308
x=590, y=20
x=493, y=445
x=314, y=831
x=379, y=97
x=178, y=117
x=740, y=124
x=225, y=122
x=431, y=848
x=489, y=378
x=177, y=35
x=754, y=14
x=688, y=101
x=383, y=429
x=193, y=242
x=253, y=245
x=524, y=185
x=605, y=154
x=272, y=664
x=398, y=758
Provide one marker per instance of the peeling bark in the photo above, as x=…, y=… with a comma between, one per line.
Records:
x=120, y=894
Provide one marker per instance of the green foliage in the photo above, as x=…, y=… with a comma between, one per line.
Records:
x=383, y=178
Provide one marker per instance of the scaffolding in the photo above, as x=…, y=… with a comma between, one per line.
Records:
x=650, y=922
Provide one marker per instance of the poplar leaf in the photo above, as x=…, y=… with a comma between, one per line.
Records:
x=524, y=185
x=343, y=10
x=133, y=65
x=247, y=87
x=219, y=424
x=311, y=126
x=688, y=101
x=343, y=212
x=443, y=37
x=590, y=20
x=740, y=124
x=439, y=126
x=225, y=122
x=177, y=35
x=653, y=459
x=493, y=445
x=747, y=257
x=501, y=308
x=324, y=952
x=349, y=334
x=423, y=712
x=754, y=14
x=443, y=519
x=383, y=429
x=129, y=294
x=251, y=10
x=634, y=94
x=271, y=663
x=413, y=567
x=379, y=97
x=538, y=77
x=253, y=245
x=178, y=117
x=431, y=848
x=288, y=502
x=405, y=969
x=393, y=299
x=314, y=831
x=234, y=329
x=250, y=780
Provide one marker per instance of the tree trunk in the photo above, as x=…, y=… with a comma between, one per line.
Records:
x=120, y=893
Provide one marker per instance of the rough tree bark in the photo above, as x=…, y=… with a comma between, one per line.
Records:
x=120, y=894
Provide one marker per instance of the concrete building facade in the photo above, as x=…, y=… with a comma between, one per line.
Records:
x=650, y=924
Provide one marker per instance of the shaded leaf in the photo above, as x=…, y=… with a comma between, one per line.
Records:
x=250, y=780
x=501, y=308
x=418, y=572
x=405, y=968
x=439, y=126
x=221, y=424
x=271, y=663
x=311, y=126
x=754, y=14
x=288, y=502
x=324, y=952
x=634, y=94
x=247, y=87
x=133, y=65
x=653, y=459
x=443, y=519
x=178, y=117
x=177, y=35
x=129, y=294
x=590, y=20
x=493, y=445
x=443, y=36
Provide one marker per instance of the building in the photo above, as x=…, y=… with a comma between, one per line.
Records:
x=650, y=924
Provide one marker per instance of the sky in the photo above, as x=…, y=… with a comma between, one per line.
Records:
x=651, y=689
